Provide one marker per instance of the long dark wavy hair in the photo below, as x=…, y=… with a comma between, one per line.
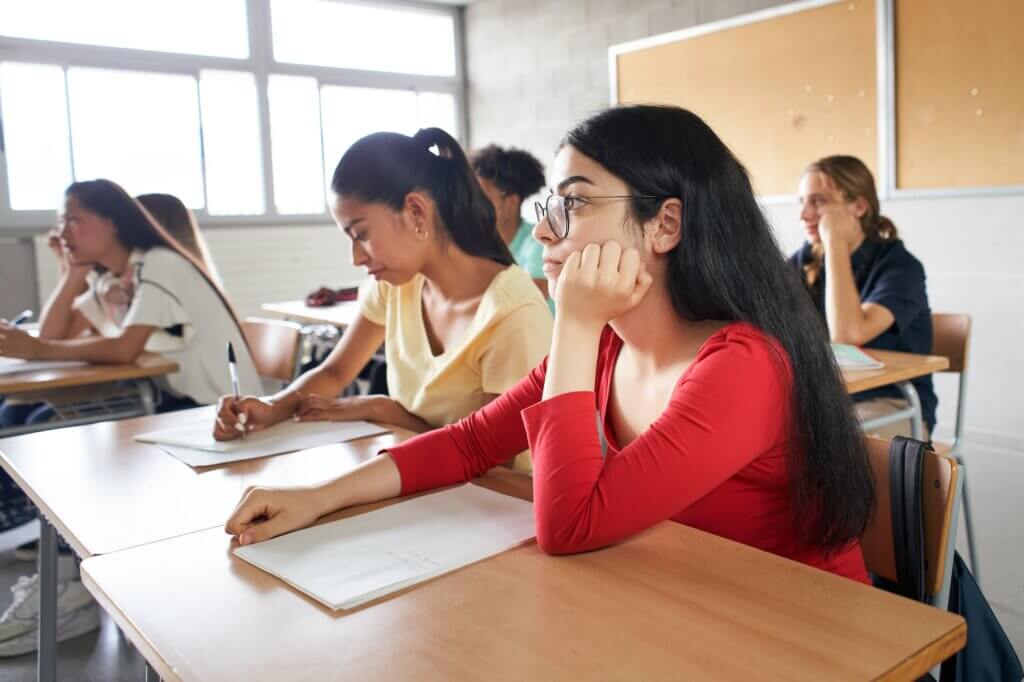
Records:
x=728, y=266
x=386, y=167
x=136, y=228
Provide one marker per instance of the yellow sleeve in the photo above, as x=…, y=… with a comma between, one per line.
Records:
x=518, y=342
x=373, y=301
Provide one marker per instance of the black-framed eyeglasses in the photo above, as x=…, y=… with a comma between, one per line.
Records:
x=557, y=209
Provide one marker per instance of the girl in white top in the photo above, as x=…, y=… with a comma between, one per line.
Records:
x=149, y=294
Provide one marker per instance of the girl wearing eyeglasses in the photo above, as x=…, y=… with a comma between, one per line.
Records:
x=460, y=323
x=679, y=324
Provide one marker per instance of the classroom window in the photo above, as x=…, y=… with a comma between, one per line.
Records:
x=360, y=36
x=231, y=143
x=169, y=96
x=37, y=147
x=350, y=113
x=198, y=27
x=295, y=144
x=138, y=129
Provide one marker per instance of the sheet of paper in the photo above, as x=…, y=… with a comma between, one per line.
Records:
x=14, y=365
x=851, y=357
x=353, y=561
x=194, y=445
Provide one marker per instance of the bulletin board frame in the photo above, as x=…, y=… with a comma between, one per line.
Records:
x=886, y=94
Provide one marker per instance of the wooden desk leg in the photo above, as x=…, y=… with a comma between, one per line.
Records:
x=151, y=675
x=917, y=421
x=47, y=661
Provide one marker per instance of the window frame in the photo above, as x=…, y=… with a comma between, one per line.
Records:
x=261, y=64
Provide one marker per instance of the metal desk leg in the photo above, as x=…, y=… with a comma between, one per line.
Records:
x=47, y=671
x=917, y=421
x=147, y=394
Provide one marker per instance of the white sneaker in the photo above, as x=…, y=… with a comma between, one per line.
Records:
x=76, y=614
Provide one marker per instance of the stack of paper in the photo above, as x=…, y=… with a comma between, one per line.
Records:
x=14, y=365
x=194, y=444
x=851, y=357
x=356, y=560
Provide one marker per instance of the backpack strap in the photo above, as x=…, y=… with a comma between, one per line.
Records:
x=906, y=475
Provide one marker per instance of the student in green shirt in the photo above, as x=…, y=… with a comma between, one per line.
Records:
x=508, y=177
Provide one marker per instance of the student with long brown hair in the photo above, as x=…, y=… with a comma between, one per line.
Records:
x=147, y=293
x=151, y=294
x=866, y=285
x=172, y=215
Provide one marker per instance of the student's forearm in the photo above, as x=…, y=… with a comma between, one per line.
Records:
x=843, y=309
x=354, y=350
x=323, y=381
x=97, y=349
x=573, y=361
x=56, y=319
x=391, y=412
x=377, y=479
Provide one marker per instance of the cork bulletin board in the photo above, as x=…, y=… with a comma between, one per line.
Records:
x=959, y=93
x=781, y=87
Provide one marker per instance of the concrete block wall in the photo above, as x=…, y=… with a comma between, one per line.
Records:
x=535, y=66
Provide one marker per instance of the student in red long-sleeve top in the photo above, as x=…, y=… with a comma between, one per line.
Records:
x=689, y=377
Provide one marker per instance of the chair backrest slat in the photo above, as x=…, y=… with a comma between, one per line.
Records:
x=274, y=345
x=939, y=500
x=951, y=333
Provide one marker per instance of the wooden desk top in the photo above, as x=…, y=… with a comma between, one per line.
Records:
x=105, y=492
x=148, y=365
x=340, y=314
x=672, y=603
x=898, y=367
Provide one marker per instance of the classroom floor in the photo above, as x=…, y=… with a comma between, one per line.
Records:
x=100, y=656
x=106, y=655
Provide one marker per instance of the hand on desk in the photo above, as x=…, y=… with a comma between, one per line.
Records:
x=248, y=412
x=315, y=408
x=15, y=343
x=265, y=513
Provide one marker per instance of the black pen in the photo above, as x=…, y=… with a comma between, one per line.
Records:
x=233, y=368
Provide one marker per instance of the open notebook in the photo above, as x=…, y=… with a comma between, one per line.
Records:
x=851, y=357
x=14, y=365
x=347, y=563
x=193, y=443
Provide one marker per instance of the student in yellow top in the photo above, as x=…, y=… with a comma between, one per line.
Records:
x=460, y=322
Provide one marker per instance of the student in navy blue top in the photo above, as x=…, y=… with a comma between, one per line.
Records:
x=865, y=283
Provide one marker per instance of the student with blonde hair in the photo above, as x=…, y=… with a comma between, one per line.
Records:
x=865, y=284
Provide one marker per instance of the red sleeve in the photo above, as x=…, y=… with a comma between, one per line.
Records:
x=728, y=409
x=471, y=446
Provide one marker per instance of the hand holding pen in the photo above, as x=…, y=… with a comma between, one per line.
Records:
x=233, y=368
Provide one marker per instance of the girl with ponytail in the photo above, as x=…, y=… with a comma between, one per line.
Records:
x=866, y=285
x=460, y=323
x=689, y=377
